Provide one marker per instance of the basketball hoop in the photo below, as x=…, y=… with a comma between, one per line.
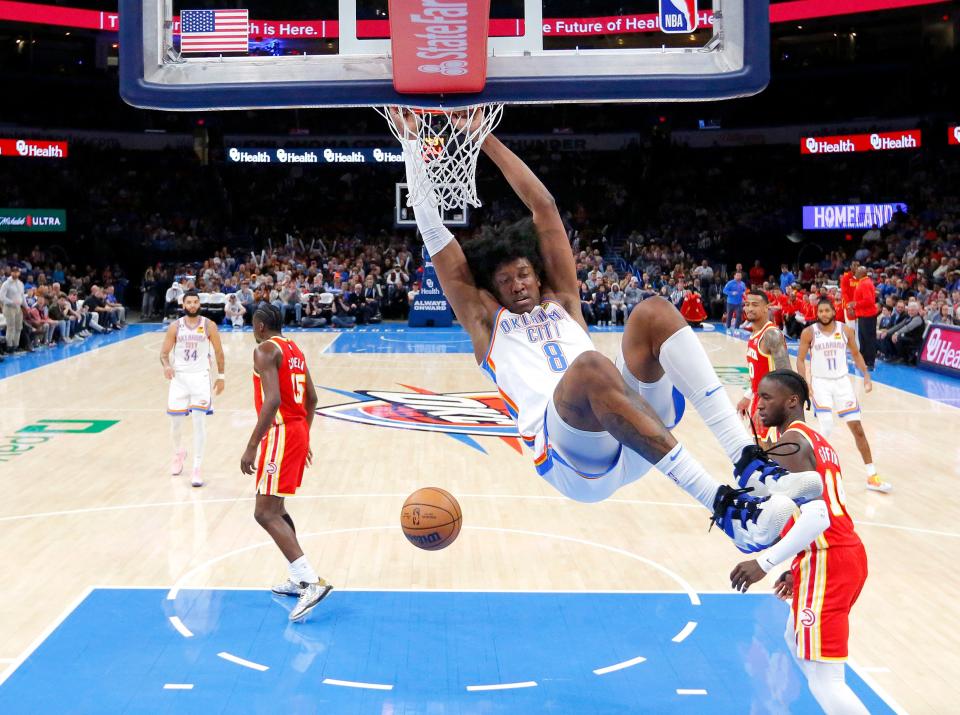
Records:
x=448, y=143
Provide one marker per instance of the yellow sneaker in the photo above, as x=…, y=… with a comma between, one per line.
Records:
x=875, y=484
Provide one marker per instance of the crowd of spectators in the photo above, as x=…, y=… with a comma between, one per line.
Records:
x=46, y=302
x=650, y=219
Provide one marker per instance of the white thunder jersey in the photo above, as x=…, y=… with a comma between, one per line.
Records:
x=192, y=351
x=528, y=355
x=828, y=352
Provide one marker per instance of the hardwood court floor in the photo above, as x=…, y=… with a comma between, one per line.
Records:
x=95, y=505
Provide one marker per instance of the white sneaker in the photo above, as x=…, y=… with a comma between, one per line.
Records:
x=287, y=588
x=310, y=596
x=177, y=467
x=875, y=484
x=195, y=479
x=754, y=523
x=756, y=471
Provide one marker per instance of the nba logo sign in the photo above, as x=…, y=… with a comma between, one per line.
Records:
x=678, y=15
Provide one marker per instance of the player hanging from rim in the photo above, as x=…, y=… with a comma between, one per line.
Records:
x=827, y=341
x=766, y=351
x=191, y=337
x=286, y=401
x=592, y=431
x=829, y=566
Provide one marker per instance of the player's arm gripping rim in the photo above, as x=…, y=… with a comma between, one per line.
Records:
x=266, y=361
x=169, y=341
x=813, y=521
x=776, y=346
x=473, y=306
x=858, y=357
x=806, y=338
x=560, y=271
x=213, y=335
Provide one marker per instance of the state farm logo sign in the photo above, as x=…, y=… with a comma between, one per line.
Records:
x=953, y=135
x=942, y=349
x=851, y=143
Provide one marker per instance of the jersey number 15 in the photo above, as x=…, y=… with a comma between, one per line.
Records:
x=298, y=380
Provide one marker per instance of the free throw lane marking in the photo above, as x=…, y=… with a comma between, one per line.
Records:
x=353, y=684
x=241, y=661
x=620, y=666
x=502, y=686
x=687, y=630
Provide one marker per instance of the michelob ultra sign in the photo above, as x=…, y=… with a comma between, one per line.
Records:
x=33, y=220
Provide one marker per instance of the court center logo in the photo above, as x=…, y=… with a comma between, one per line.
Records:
x=461, y=415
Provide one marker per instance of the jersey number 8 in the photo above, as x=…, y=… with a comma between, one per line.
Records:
x=555, y=356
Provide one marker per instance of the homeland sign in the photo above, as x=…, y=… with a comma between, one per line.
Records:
x=33, y=220
x=941, y=349
x=825, y=218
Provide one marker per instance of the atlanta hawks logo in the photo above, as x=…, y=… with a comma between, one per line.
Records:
x=270, y=468
x=460, y=415
x=807, y=618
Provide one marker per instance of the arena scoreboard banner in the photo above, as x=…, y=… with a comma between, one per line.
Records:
x=315, y=155
x=953, y=135
x=840, y=216
x=941, y=349
x=33, y=148
x=33, y=220
x=855, y=143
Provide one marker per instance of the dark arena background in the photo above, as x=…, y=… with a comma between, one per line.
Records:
x=130, y=586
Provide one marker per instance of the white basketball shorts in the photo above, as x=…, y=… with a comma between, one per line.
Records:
x=190, y=391
x=836, y=395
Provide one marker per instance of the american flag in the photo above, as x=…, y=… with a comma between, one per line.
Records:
x=214, y=30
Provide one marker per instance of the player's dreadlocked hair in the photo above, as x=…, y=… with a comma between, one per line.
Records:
x=793, y=382
x=500, y=245
x=269, y=315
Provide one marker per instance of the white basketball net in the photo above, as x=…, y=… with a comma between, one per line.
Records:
x=448, y=143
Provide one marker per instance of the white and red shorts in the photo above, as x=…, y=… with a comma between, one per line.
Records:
x=826, y=584
x=282, y=459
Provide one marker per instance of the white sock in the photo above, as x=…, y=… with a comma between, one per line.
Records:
x=302, y=572
x=830, y=689
x=871, y=470
x=199, y=436
x=688, y=367
x=826, y=423
x=176, y=430
x=683, y=469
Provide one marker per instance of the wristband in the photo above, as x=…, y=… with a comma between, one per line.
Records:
x=221, y=376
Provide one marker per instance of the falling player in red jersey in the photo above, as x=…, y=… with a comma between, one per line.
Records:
x=286, y=399
x=830, y=564
x=766, y=351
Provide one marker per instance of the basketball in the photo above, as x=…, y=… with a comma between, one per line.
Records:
x=431, y=519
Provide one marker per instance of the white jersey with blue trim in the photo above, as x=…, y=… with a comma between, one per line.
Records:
x=828, y=352
x=192, y=350
x=528, y=355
